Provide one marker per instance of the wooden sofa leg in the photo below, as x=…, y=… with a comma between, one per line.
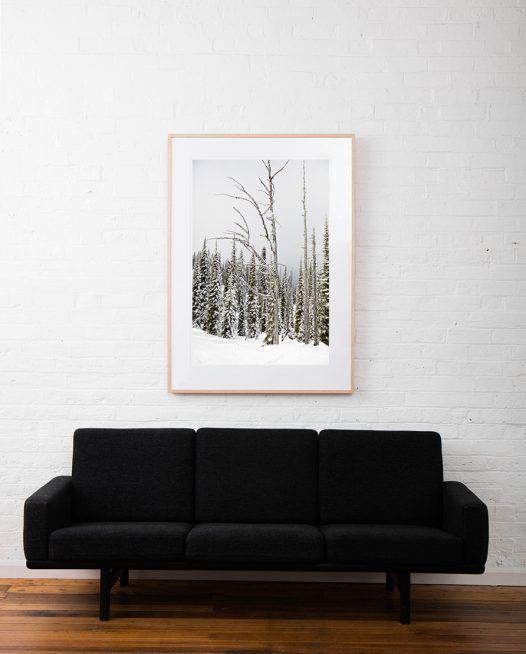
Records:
x=389, y=583
x=125, y=578
x=404, y=586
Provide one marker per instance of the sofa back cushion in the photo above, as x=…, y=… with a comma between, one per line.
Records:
x=133, y=474
x=380, y=477
x=256, y=475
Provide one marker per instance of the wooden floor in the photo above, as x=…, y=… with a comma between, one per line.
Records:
x=264, y=617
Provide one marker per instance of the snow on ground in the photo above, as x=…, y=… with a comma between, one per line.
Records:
x=214, y=350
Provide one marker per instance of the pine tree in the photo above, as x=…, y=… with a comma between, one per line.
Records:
x=241, y=283
x=310, y=311
x=298, y=313
x=290, y=307
x=242, y=317
x=202, y=289
x=272, y=308
x=283, y=301
x=233, y=265
x=196, y=282
x=253, y=317
x=269, y=322
x=229, y=308
x=323, y=291
x=214, y=296
x=263, y=287
x=314, y=288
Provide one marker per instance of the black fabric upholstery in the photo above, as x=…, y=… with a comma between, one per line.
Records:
x=133, y=474
x=380, y=477
x=47, y=509
x=256, y=475
x=255, y=543
x=391, y=545
x=119, y=541
x=136, y=494
x=465, y=515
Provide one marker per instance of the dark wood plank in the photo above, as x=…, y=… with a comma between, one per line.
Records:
x=61, y=616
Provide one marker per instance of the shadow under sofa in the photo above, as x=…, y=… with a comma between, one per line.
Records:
x=256, y=499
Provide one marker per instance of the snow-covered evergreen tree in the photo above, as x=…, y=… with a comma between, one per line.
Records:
x=272, y=309
x=253, y=315
x=269, y=322
x=285, y=303
x=298, y=309
x=232, y=265
x=241, y=282
x=290, y=307
x=323, y=291
x=229, y=307
x=282, y=300
x=263, y=289
x=213, y=315
x=314, y=293
x=202, y=288
x=309, y=276
x=242, y=317
x=196, y=282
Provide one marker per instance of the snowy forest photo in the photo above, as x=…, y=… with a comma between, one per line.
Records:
x=260, y=278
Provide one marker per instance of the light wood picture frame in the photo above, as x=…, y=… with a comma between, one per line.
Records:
x=261, y=263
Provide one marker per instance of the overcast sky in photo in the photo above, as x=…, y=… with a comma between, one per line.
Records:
x=213, y=214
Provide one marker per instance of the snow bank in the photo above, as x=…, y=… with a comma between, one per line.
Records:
x=213, y=350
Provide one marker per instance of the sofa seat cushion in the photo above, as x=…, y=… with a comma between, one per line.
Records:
x=119, y=541
x=391, y=545
x=254, y=543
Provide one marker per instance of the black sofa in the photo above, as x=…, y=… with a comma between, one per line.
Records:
x=256, y=499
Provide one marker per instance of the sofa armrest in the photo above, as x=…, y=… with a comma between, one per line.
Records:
x=466, y=516
x=49, y=508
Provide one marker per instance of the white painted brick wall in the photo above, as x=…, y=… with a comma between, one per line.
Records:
x=435, y=91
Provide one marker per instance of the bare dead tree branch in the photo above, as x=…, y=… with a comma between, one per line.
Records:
x=251, y=200
x=279, y=170
x=269, y=222
x=246, y=228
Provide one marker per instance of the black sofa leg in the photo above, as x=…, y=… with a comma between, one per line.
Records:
x=125, y=578
x=108, y=577
x=389, y=583
x=404, y=586
x=105, y=590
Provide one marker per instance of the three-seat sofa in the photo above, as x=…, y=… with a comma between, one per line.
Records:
x=256, y=499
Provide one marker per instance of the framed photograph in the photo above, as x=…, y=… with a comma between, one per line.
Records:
x=261, y=267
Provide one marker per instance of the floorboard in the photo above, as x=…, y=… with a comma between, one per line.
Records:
x=61, y=616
